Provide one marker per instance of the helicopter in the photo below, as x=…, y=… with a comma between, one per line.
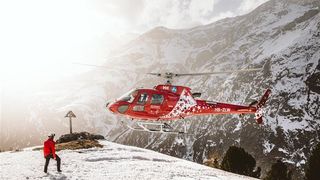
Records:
x=155, y=108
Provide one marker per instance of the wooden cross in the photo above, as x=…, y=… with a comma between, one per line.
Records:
x=70, y=115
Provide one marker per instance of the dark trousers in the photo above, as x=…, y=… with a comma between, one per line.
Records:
x=50, y=156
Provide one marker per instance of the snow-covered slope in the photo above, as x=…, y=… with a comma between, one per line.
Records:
x=113, y=161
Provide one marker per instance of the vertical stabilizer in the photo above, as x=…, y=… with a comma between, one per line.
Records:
x=261, y=103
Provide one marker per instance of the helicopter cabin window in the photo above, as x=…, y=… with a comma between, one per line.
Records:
x=143, y=98
x=157, y=99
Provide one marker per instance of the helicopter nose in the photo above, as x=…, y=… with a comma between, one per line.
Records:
x=112, y=107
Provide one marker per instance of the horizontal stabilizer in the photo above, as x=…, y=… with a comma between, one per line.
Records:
x=253, y=103
x=196, y=95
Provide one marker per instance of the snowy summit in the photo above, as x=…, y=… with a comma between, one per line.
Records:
x=113, y=161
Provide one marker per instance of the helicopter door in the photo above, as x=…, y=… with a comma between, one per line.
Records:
x=140, y=105
x=155, y=104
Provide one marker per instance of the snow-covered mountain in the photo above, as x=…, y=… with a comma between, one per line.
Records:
x=113, y=161
x=282, y=36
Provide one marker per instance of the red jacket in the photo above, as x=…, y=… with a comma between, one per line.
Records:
x=49, y=148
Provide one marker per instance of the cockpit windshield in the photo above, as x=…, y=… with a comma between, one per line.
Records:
x=129, y=96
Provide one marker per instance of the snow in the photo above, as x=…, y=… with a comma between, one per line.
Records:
x=287, y=125
x=283, y=150
x=294, y=11
x=282, y=43
x=302, y=162
x=238, y=127
x=267, y=147
x=113, y=161
x=173, y=53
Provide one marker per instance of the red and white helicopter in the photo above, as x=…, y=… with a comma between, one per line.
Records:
x=155, y=108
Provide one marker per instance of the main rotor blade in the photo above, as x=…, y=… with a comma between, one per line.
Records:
x=105, y=67
x=171, y=75
x=156, y=74
x=218, y=72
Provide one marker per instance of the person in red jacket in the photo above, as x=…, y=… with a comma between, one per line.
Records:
x=49, y=152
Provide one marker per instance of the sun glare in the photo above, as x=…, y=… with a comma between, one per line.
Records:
x=40, y=39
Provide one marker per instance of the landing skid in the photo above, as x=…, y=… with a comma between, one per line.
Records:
x=155, y=127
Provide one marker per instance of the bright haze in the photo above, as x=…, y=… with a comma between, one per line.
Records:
x=41, y=39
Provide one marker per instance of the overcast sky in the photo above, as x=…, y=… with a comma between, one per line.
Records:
x=41, y=38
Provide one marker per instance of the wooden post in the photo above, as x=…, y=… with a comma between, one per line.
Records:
x=70, y=125
x=70, y=115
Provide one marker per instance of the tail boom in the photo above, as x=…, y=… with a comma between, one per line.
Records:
x=207, y=108
x=187, y=106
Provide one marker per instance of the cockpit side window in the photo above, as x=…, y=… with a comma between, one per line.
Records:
x=157, y=99
x=129, y=97
x=142, y=98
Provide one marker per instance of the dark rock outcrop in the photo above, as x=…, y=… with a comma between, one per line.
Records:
x=79, y=136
